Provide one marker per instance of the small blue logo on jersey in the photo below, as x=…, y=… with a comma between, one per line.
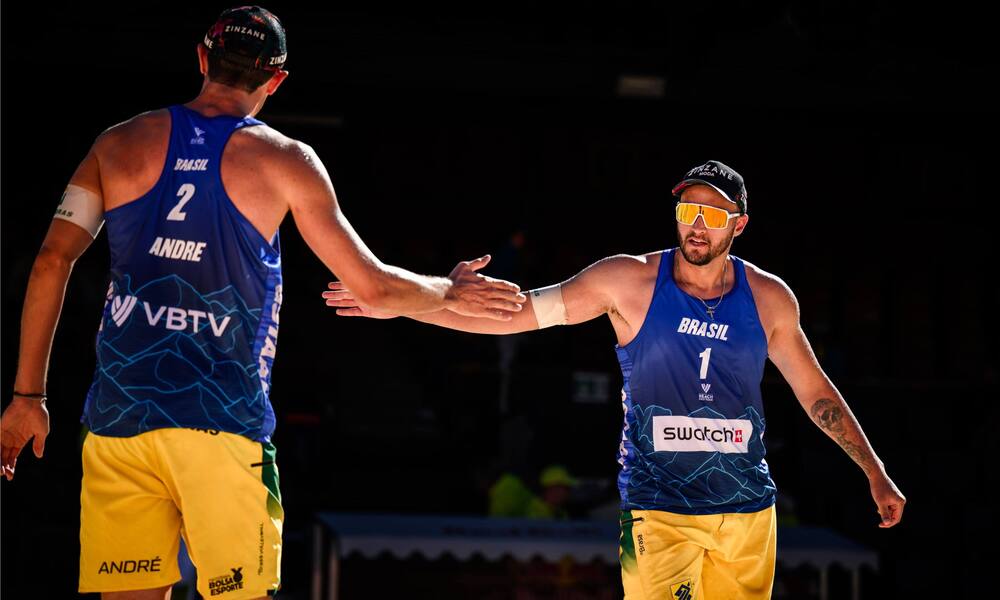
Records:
x=198, y=140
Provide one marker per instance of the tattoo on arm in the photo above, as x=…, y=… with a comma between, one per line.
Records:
x=828, y=415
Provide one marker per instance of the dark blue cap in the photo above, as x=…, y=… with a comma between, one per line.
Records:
x=250, y=37
x=725, y=180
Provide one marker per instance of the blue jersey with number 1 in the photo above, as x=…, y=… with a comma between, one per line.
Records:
x=693, y=436
x=190, y=326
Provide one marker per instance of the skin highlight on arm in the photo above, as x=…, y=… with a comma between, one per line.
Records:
x=587, y=295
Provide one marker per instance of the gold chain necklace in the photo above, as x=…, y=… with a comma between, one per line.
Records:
x=711, y=309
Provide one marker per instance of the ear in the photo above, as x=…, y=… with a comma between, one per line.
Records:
x=741, y=224
x=275, y=81
x=202, y=59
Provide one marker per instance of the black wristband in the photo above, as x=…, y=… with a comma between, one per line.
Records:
x=41, y=397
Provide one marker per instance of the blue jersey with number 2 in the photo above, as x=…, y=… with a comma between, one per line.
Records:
x=190, y=326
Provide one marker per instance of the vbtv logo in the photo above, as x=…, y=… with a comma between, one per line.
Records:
x=172, y=317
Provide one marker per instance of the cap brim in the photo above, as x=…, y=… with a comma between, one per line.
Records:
x=689, y=182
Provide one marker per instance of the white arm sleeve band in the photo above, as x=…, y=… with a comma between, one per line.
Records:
x=81, y=207
x=548, y=305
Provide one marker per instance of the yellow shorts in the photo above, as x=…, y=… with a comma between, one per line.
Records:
x=669, y=556
x=141, y=493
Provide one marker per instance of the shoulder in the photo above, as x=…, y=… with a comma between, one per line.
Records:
x=266, y=139
x=139, y=131
x=139, y=124
x=130, y=154
x=612, y=283
x=276, y=153
x=774, y=298
x=627, y=264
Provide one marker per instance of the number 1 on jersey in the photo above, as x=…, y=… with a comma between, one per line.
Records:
x=705, y=356
x=185, y=193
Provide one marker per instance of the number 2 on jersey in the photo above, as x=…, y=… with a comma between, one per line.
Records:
x=705, y=356
x=185, y=193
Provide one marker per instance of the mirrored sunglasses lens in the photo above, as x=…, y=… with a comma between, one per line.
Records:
x=687, y=213
x=715, y=218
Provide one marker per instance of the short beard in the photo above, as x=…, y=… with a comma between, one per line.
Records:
x=710, y=254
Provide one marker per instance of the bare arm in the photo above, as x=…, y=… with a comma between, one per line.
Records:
x=587, y=295
x=792, y=354
x=328, y=233
x=25, y=417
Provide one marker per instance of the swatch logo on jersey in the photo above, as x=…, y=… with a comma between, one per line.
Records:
x=688, y=434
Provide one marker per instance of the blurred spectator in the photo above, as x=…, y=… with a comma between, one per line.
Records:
x=510, y=497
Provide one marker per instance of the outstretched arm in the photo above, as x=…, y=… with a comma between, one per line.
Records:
x=26, y=418
x=326, y=230
x=587, y=295
x=791, y=353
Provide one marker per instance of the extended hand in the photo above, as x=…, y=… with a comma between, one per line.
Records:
x=347, y=305
x=23, y=419
x=889, y=499
x=475, y=295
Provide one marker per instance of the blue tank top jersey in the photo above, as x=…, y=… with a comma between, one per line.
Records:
x=190, y=326
x=693, y=434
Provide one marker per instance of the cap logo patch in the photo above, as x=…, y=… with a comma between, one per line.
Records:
x=709, y=170
x=260, y=35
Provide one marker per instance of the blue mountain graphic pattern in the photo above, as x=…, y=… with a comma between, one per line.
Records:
x=149, y=376
x=693, y=482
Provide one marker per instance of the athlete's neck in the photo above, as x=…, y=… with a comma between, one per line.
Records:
x=702, y=280
x=216, y=99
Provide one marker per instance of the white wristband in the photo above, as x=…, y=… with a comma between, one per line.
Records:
x=82, y=207
x=548, y=305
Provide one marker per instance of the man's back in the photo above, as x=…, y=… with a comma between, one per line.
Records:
x=132, y=156
x=189, y=330
x=192, y=198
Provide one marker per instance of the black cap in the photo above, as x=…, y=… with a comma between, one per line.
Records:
x=250, y=37
x=725, y=180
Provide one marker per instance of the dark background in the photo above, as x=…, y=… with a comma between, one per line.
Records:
x=864, y=131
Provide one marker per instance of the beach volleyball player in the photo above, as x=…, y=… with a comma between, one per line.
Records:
x=178, y=414
x=695, y=326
